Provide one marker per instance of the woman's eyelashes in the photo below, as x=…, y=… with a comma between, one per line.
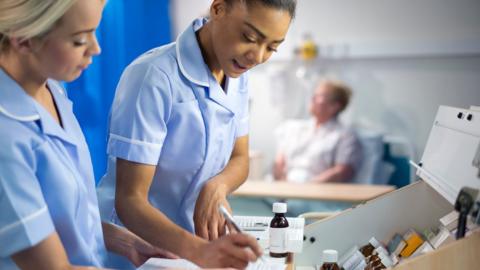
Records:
x=79, y=43
x=251, y=39
x=83, y=39
x=80, y=40
x=272, y=49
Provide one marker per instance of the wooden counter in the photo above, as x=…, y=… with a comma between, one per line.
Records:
x=327, y=191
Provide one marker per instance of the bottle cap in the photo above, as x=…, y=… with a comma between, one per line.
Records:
x=386, y=260
x=381, y=249
x=279, y=207
x=374, y=242
x=330, y=256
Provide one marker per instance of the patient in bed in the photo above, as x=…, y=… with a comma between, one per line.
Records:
x=319, y=149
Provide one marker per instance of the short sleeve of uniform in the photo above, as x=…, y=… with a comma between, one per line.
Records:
x=243, y=115
x=349, y=150
x=140, y=111
x=24, y=216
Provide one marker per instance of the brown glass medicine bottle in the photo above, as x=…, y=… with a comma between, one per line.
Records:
x=330, y=258
x=368, y=249
x=278, y=231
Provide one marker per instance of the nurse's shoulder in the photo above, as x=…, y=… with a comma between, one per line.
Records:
x=163, y=59
x=156, y=70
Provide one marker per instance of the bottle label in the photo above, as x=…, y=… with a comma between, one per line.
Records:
x=354, y=260
x=278, y=240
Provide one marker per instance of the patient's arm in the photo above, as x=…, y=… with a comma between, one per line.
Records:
x=279, y=167
x=337, y=173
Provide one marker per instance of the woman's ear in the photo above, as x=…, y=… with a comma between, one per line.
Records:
x=21, y=45
x=218, y=9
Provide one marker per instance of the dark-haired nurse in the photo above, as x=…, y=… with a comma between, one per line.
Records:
x=178, y=139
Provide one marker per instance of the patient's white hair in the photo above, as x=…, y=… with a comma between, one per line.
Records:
x=339, y=92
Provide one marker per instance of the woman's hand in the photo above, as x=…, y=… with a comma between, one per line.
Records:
x=209, y=222
x=141, y=251
x=233, y=250
x=129, y=245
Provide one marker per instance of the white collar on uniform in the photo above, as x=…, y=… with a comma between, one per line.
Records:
x=15, y=103
x=190, y=59
x=194, y=68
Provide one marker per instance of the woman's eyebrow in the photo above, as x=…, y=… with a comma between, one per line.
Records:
x=83, y=31
x=260, y=33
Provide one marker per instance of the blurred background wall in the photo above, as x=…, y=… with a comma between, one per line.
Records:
x=402, y=58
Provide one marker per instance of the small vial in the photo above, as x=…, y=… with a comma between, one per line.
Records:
x=330, y=258
x=379, y=261
x=373, y=259
x=361, y=265
x=375, y=266
x=386, y=260
x=353, y=260
x=368, y=249
x=278, y=231
x=350, y=258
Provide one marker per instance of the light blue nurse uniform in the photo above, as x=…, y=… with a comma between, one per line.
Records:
x=169, y=111
x=46, y=179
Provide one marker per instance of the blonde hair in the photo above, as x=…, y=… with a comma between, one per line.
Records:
x=27, y=19
x=339, y=92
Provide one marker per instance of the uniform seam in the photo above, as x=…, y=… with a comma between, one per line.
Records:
x=133, y=141
x=23, y=221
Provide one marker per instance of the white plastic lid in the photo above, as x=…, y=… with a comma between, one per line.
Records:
x=381, y=249
x=386, y=260
x=374, y=242
x=279, y=207
x=330, y=256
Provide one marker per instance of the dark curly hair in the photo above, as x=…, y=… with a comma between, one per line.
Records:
x=287, y=5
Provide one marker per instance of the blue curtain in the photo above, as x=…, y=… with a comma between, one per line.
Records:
x=128, y=28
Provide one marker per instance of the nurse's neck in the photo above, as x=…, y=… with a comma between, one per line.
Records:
x=21, y=72
x=206, y=46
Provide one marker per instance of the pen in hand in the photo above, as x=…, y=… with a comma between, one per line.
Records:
x=230, y=220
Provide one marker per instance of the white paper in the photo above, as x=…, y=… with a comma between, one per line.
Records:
x=157, y=263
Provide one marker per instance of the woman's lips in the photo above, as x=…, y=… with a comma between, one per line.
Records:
x=239, y=66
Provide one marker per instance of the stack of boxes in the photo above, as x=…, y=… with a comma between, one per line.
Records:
x=376, y=256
